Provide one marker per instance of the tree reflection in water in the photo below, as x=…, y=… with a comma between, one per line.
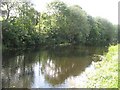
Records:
x=45, y=68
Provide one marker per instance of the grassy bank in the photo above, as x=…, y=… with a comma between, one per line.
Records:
x=103, y=74
x=106, y=72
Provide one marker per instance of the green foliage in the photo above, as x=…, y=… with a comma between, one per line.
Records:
x=59, y=25
x=102, y=32
x=78, y=26
x=20, y=31
x=107, y=31
x=64, y=24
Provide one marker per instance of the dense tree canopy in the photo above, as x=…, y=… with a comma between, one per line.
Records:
x=61, y=24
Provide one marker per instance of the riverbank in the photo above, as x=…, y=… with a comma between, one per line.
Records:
x=102, y=74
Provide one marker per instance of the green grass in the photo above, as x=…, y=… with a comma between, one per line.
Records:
x=105, y=74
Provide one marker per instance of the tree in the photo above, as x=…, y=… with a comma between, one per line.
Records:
x=57, y=14
x=78, y=24
x=67, y=24
x=61, y=24
x=7, y=7
x=106, y=30
x=20, y=30
x=92, y=38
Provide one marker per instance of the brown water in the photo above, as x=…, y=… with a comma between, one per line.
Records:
x=46, y=68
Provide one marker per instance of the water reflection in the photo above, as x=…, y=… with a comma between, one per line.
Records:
x=46, y=68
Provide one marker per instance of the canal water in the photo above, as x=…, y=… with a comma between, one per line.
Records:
x=53, y=67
